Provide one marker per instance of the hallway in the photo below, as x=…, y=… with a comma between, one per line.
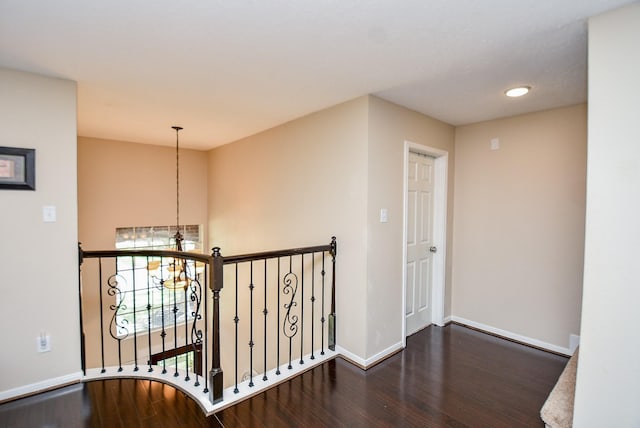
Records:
x=446, y=377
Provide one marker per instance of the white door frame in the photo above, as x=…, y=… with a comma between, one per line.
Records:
x=439, y=235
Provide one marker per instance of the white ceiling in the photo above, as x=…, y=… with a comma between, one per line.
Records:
x=228, y=69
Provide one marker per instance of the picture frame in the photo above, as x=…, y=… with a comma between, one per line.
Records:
x=17, y=168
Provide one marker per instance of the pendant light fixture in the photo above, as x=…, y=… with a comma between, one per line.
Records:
x=178, y=272
x=178, y=236
x=177, y=276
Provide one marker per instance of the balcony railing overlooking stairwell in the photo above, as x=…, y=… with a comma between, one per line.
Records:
x=262, y=317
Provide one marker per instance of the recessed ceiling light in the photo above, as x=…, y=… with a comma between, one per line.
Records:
x=517, y=92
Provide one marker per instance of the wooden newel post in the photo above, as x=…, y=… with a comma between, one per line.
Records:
x=215, y=376
x=332, y=315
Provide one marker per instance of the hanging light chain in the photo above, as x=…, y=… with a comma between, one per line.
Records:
x=178, y=235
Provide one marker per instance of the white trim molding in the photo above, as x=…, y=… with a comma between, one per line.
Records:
x=355, y=359
x=42, y=386
x=513, y=336
x=374, y=359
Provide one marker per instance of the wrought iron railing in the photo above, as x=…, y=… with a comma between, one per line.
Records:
x=135, y=306
x=301, y=284
x=138, y=312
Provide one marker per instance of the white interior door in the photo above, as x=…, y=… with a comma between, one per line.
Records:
x=420, y=249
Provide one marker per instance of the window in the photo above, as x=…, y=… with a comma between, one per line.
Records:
x=145, y=304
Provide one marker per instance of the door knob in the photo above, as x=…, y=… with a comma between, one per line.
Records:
x=433, y=249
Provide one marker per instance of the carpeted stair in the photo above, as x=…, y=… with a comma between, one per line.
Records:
x=557, y=411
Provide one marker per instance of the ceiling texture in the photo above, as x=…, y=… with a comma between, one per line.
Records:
x=225, y=70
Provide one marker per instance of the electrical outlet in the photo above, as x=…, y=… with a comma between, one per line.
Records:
x=43, y=342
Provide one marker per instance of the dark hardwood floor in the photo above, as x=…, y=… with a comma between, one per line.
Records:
x=446, y=377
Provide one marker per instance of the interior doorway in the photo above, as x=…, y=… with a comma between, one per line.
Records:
x=424, y=247
x=421, y=247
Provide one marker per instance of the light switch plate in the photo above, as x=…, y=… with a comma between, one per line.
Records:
x=384, y=215
x=43, y=343
x=49, y=213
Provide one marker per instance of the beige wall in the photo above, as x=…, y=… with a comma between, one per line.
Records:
x=519, y=224
x=40, y=272
x=297, y=185
x=324, y=174
x=123, y=184
x=389, y=127
x=608, y=387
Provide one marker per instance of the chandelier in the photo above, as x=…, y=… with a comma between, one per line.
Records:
x=177, y=273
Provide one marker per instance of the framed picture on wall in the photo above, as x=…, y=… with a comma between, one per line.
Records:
x=17, y=168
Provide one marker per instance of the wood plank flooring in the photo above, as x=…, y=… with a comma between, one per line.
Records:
x=446, y=377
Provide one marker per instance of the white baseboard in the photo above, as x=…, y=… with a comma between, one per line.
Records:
x=359, y=361
x=362, y=362
x=574, y=342
x=40, y=386
x=514, y=336
x=374, y=359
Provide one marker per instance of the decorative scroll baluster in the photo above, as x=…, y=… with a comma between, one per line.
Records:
x=117, y=328
x=196, y=334
x=290, y=323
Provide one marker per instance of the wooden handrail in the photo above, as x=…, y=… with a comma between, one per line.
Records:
x=205, y=258
x=278, y=253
